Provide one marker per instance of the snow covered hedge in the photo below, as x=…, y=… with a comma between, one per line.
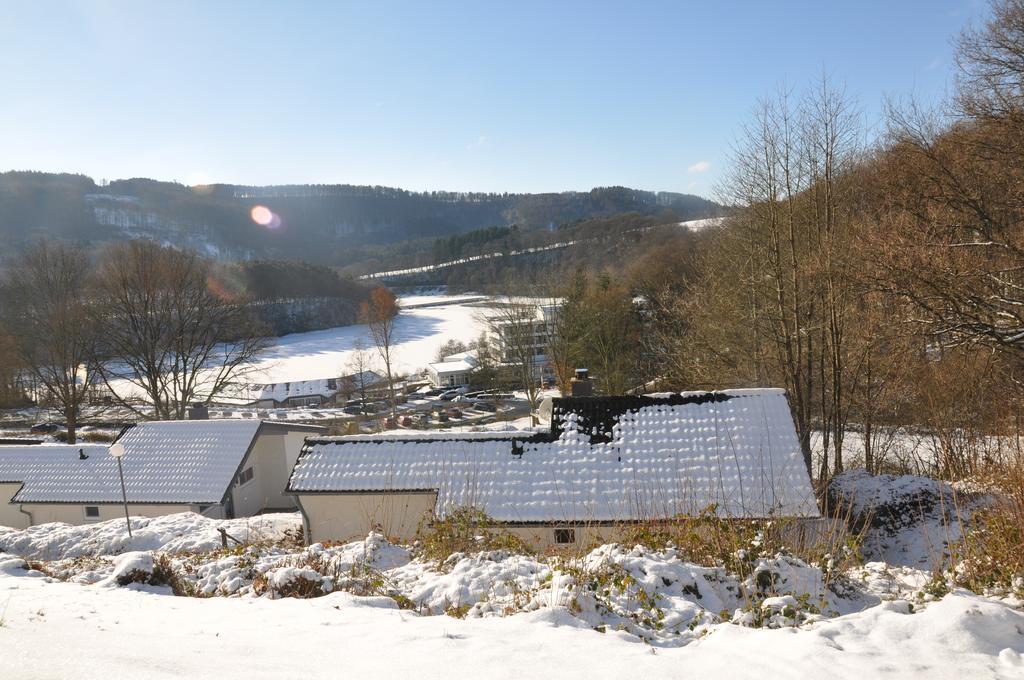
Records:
x=654, y=595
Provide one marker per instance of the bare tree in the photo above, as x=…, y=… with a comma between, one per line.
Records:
x=46, y=300
x=517, y=331
x=955, y=248
x=360, y=376
x=12, y=392
x=448, y=348
x=165, y=333
x=772, y=299
x=487, y=373
x=567, y=329
x=380, y=313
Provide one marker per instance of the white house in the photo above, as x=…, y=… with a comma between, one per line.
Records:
x=453, y=370
x=297, y=393
x=605, y=462
x=221, y=468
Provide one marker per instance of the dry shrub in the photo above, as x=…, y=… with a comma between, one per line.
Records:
x=165, y=573
x=135, y=576
x=465, y=530
x=992, y=553
x=302, y=588
x=97, y=437
x=707, y=539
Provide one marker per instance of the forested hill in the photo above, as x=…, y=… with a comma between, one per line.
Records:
x=324, y=223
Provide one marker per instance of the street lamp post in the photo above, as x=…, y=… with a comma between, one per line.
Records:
x=117, y=452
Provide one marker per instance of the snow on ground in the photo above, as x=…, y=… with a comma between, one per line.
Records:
x=421, y=328
x=182, y=532
x=419, y=332
x=141, y=631
x=274, y=609
x=697, y=225
x=917, y=451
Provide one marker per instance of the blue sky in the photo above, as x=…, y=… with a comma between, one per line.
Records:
x=488, y=96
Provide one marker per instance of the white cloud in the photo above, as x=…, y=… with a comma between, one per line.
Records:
x=699, y=166
x=480, y=142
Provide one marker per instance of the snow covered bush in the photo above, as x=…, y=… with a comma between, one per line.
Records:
x=906, y=520
x=133, y=567
x=300, y=582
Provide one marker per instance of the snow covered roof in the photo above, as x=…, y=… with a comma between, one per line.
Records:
x=462, y=366
x=605, y=459
x=460, y=362
x=469, y=354
x=19, y=462
x=187, y=461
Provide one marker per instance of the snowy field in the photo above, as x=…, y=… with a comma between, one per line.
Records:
x=425, y=322
x=419, y=332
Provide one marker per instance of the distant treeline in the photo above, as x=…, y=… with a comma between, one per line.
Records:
x=329, y=224
x=295, y=297
x=591, y=244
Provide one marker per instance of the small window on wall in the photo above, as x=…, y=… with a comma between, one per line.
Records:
x=565, y=536
x=245, y=476
x=92, y=512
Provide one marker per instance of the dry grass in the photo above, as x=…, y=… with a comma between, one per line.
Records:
x=991, y=556
x=465, y=530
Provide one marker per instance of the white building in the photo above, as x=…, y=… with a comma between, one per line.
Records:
x=606, y=462
x=522, y=323
x=298, y=393
x=220, y=468
x=453, y=370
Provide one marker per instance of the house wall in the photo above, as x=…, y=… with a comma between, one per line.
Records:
x=350, y=516
x=9, y=514
x=272, y=459
x=342, y=517
x=74, y=513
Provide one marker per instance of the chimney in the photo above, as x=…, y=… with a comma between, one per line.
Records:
x=198, y=411
x=581, y=385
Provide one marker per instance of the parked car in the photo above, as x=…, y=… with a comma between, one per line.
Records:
x=353, y=410
x=44, y=428
x=484, y=406
x=449, y=395
x=432, y=392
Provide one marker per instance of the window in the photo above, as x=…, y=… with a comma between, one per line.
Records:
x=565, y=536
x=92, y=512
x=245, y=476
